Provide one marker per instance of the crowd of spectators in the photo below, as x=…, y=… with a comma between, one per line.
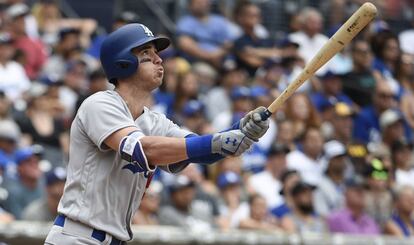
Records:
x=338, y=157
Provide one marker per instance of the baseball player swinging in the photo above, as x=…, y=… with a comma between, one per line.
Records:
x=116, y=144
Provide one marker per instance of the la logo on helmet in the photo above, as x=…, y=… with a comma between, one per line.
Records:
x=147, y=31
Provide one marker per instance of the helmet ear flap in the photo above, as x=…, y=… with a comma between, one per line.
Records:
x=126, y=67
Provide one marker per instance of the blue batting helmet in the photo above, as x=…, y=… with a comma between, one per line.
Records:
x=116, y=56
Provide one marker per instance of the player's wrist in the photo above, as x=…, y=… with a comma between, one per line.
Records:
x=198, y=146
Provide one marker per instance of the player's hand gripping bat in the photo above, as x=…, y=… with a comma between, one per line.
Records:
x=336, y=43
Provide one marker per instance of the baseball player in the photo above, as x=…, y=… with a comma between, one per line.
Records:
x=116, y=143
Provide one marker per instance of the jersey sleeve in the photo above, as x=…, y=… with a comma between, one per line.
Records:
x=101, y=115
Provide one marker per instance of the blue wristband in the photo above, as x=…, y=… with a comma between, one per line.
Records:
x=198, y=146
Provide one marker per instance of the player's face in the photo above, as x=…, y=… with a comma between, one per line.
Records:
x=150, y=70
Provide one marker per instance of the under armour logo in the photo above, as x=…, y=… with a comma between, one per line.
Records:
x=228, y=141
x=147, y=31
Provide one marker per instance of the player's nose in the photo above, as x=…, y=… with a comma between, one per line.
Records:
x=157, y=59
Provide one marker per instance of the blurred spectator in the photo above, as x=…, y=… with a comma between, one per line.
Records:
x=300, y=111
x=259, y=217
x=238, y=18
x=13, y=79
x=308, y=161
x=342, y=123
x=5, y=106
x=229, y=80
x=45, y=208
x=359, y=83
x=205, y=189
x=303, y=218
x=289, y=178
x=367, y=126
x=9, y=140
x=97, y=82
x=402, y=162
x=187, y=89
x=387, y=53
x=203, y=36
x=309, y=38
x=270, y=177
x=28, y=187
x=229, y=184
x=185, y=211
x=331, y=91
x=401, y=223
x=285, y=134
x=406, y=78
x=34, y=51
x=149, y=206
x=242, y=104
x=378, y=198
x=251, y=50
x=392, y=127
x=40, y=126
x=5, y=217
x=193, y=118
x=353, y=219
x=331, y=188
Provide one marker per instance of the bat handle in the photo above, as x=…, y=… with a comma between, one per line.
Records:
x=265, y=114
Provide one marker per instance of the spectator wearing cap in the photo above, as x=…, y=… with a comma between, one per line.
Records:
x=251, y=50
x=270, y=177
x=33, y=49
x=289, y=178
x=193, y=117
x=378, y=197
x=393, y=127
x=29, y=185
x=9, y=139
x=401, y=223
x=353, y=219
x=366, y=123
x=308, y=160
x=331, y=188
x=184, y=210
x=303, y=218
x=331, y=91
x=230, y=202
x=45, y=208
x=147, y=213
x=97, y=81
x=359, y=83
x=203, y=36
x=309, y=38
x=342, y=123
x=241, y=104
x=13, y=80
x=401, y=152
x=259, y=217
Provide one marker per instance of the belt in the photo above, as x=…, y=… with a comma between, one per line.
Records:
x=97, y=234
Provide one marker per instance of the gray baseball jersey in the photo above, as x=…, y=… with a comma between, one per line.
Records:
x=102, y=190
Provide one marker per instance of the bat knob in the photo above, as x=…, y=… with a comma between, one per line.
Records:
x=265, y=115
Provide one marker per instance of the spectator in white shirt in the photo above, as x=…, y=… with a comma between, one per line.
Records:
x=267, y=183
x=308, y=161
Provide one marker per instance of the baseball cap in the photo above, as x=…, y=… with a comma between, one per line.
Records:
x=66, y=31
x=278, y=148
x=228, y=178
x=258, y=91
x=181, y=182
x=301, y=187
x=193, y=107
x=17, y=10
x=329, y=74
x=24, y=154
x=389, y=117
x=55, y=175
x=9, y=130
x=240, y=92
x=343, y=110
x=334, y=149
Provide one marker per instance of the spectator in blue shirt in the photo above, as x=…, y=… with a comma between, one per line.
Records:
x=203, y=36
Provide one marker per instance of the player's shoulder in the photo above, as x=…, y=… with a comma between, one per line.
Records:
x=99, y=97
x=154, y=114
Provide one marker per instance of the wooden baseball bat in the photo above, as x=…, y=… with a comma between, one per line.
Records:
x=336, y=43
